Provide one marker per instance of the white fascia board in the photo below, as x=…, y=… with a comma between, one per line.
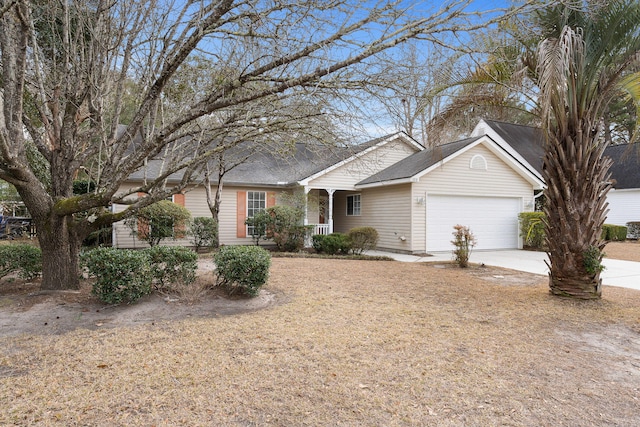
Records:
x=496, y=149
x=515, y=164
x=483, y=128
x=623, y=190
x=447, y=159
x=403, y=135
x=385, y=183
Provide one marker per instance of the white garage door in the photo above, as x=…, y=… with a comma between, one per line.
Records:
x=493, y=220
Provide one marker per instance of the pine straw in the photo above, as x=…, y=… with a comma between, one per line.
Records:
x=358, y=343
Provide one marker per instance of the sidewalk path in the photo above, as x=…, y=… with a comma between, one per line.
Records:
x=625, y=274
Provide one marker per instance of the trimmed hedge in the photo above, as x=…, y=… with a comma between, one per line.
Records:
x=363, y=239
x=126, y=275
x=242, y=269
x=614, y=233
x=532, y=229
x=332, y=244
x=121, y=275
x=171, y=265
x=21, y=258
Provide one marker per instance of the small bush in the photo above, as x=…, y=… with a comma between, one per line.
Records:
x=26, y=260
x=363, y=239
x=285, y=227
x=159, y=221
x=203, y=232
x=121, y=275
x=332, y=244
x=242, y=269
x=464, y=241
x=317, y=241
x=532, y=229
x=614, y=233
x=172, y=266
x=258, y=226
x=592, y=259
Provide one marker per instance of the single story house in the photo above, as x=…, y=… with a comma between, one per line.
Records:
x=412, y=195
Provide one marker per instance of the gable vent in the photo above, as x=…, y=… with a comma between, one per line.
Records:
x=478, y=162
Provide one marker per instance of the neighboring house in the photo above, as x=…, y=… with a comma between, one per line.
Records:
x=411, y=195
x=525, y=144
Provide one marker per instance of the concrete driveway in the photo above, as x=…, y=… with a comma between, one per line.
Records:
x=625, y=274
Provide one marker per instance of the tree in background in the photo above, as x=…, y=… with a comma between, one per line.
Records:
x=159, y=221
x=73, y=72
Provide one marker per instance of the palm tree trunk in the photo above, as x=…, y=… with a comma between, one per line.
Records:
x=577, y=175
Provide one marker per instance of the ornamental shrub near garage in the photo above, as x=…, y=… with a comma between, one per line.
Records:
x=614, y=233
x=242, y=269
x=532, y=229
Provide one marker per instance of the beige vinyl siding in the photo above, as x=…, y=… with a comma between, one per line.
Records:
x=196, y=203
x=346, y=176
x=123, y=237
x=387, y=209
x=457, y=178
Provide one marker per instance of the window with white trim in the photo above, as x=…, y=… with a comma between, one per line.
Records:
x=256, y=202
x=353, y=205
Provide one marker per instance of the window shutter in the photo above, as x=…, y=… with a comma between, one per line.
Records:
x=179, y=229
x=271, y=199
x=143, y=226
x=241, y=229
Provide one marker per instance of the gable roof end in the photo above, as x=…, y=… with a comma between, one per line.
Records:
x=362, y=149
x=414, y=167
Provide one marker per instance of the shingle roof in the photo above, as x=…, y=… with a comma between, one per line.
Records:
x=528, y=141
x=270, y=168
x=625, y=169
x=417, y=162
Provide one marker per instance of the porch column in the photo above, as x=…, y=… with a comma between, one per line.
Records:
x=306, y=205
x=330, y=191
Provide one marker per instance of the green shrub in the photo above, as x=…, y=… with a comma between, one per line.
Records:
x=615, y=233
x=121, y=275
x=258, y=226
x=171, y=265
x=285, y=227
x=204, y=232
x=464, y=241
x=592, y=260
x=317, y=241
x=332, y=244
x=532, y=229
x=363, y=239
x=24, y=259
x=242, y=269
x=159, y=221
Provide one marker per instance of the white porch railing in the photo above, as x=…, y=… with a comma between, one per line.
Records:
x=320, y=229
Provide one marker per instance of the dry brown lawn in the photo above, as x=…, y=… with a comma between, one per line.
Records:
x=347, y=343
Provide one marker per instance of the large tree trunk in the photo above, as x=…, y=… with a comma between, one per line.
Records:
x=60, y=247
x=576, y=175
